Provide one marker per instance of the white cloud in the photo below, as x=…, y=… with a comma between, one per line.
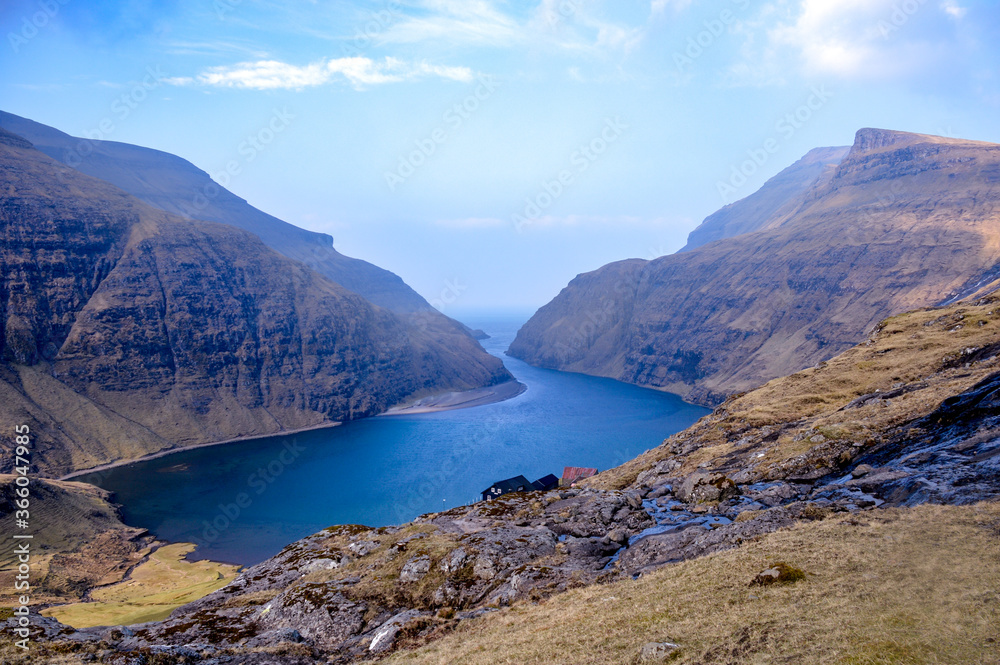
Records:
x=952, y=9
x=851, y=39
x=569, y=25
x=474, y=21
x=839, y=37
x=359, y=71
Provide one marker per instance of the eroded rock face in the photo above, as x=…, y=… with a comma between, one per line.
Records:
x=119, y=321
x=730, y=315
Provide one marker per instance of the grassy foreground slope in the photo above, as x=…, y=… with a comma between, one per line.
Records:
x=816, y=421
x=896, y=586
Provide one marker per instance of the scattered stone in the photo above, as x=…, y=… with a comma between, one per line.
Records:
x=270, y=638
x=415, y=569
x=385, y=635
x=363, y=547
x=453, y=561
x=701, y=487
x=780, y=573
x=658, y=652
x=331, y=563
x=862, y=470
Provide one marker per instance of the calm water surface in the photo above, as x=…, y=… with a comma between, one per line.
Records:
x=243, y=502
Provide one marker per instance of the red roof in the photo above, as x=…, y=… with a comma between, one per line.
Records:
x=571, y=474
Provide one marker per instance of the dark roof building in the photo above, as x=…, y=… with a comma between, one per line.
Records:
x=515, y=484
x=572, y=474
x=546, y=483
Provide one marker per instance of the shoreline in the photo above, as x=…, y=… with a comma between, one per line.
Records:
x=194, y=446
x=465, y=399
x=431, y=404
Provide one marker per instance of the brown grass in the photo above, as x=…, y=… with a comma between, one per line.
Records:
x=898, y=586
x=927, y=351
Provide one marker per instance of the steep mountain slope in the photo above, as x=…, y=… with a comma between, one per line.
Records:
x=777, y=198
x=175, y=185
x=905, y=221
x=125, y=330
x=790, y=473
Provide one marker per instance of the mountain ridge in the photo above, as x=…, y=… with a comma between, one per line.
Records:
x=173, y=184
x=902, y=222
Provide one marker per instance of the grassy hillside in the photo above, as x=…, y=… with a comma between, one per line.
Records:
x=891, y=587
x=813, y=421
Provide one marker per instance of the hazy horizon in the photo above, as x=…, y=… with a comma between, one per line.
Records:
x=485, y=151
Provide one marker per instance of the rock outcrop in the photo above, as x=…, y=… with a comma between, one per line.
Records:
x=904, y=221
x=173, y=184
x=125, y=330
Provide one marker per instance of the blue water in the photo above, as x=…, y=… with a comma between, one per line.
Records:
x=243, y=502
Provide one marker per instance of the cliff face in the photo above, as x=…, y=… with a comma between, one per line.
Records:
x=778, y=198
x=905, y=221
x=125, y=330
x=174, y=185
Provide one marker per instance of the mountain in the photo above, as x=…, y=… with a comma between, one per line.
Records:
x=829, y=472
x=126, y=330
x=773, y=202
x=173, y=184
x=904, y=221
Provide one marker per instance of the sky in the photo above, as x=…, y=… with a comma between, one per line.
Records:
x=488, y=151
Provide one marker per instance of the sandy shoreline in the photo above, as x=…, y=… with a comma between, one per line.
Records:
x=460, y=400
x=431, y=404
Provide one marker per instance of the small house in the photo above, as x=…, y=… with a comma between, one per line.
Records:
x=572, y=474
x=515, y=484
x=546, y=483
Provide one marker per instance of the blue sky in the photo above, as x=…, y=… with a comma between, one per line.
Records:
x=487, y=150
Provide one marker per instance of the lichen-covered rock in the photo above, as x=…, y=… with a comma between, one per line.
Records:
x=384, y=636
x=414, y=569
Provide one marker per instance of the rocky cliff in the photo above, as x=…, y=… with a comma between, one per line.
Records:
x=125, y=330
x=904, y=221
x=173, y=184
x=773, y=202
